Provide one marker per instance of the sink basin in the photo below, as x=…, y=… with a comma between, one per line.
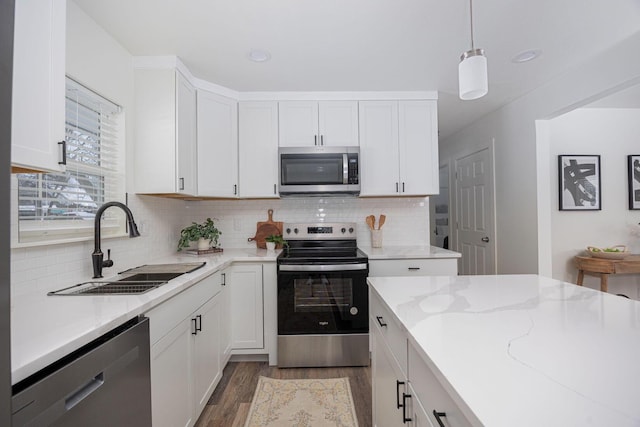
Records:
x=150, y=277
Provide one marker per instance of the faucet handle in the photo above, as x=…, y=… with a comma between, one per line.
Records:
x=108, y=262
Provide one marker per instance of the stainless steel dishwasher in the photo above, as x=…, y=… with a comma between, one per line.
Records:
x=104, y=383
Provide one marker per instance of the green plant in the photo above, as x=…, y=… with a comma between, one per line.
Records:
x=207, y=230
x=277, y=239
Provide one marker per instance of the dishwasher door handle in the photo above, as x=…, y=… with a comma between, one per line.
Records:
x=84, y=391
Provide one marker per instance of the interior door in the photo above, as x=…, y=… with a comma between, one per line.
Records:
x=475, y=213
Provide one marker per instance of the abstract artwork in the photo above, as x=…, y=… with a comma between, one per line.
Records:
x=579, y=177
x=634, y=181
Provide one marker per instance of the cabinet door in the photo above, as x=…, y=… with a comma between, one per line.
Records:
x=217, y=142
x=298, y=122
x=247, y=329
x=338, y=123
x=379, y=148
x=38, y=102
x=418, y=144
x=225, y=316
x=415, y=411
x=185, y=136
x=207, y=370
x=258, y=149
x=388, y=383
x=171, y=378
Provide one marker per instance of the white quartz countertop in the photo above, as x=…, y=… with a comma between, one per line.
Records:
x=46, y=328
x=523, y=350
x=408, y=252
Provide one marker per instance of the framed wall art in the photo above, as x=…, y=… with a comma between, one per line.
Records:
x=579, y=177
x=634, y=181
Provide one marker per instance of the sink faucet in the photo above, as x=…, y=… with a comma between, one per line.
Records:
x=97, y=255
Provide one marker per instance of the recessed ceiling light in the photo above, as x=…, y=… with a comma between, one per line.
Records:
x=259, y=55
x=526, y=56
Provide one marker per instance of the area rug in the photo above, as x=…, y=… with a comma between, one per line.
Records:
x=302, y=403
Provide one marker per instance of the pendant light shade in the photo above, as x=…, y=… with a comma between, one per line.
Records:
x=472, y=75
x=473, y=81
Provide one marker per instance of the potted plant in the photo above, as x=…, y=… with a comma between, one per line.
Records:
x=206, y=234
x=275, y=241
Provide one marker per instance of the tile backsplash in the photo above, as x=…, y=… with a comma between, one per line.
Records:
x=160, y=220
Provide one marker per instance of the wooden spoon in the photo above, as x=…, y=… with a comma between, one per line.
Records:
x=371, y=221
x=383, y=218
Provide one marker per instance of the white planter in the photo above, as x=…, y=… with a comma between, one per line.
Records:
x=271, y=246
x=204, y=244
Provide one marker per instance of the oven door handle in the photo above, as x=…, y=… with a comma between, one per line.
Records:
x=315, y=267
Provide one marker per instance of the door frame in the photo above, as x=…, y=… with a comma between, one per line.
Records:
x=454, y=209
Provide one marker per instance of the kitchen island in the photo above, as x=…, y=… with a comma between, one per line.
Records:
x=512, y=350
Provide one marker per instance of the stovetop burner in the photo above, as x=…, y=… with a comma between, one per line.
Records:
x=321, y=243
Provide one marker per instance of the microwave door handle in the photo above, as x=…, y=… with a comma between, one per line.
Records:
x=345, y=168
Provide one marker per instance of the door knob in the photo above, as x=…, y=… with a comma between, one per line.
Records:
x=485, y=239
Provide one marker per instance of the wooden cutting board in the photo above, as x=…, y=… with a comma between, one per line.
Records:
x=265, y=229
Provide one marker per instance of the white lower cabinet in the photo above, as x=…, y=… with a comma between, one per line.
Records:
x=247, y=321
x=225, y=318
x=406, y=391
x=186, y=352
x=413, y=267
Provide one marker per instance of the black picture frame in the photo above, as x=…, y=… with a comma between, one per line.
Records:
x=579, y=182
x=633, y=163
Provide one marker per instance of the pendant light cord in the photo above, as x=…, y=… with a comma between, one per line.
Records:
x=471, y=16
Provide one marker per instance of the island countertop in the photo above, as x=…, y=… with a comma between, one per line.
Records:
x=523, y=349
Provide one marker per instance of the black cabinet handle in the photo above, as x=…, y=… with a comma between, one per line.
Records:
x=397, y=188
x=181, y=180
x=398, y=384
x=321, y=139
x=403, y=187
x=224, y=279
x=315, y=139
x=194, y=323
x=380, y=322
x=405, y=419
x=438, y=415
x=413, y=268
x=199, y=322
x=235, y=189
x=274, y=189
x=64, y=152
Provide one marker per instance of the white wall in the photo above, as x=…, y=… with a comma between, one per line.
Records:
x=613, y=134
x=518, y=172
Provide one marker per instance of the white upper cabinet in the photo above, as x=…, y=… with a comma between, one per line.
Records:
x=165, y=144
x=399, y=148
x=258, y=149
x=217, y=142
x=309, y=123
x=38, y=116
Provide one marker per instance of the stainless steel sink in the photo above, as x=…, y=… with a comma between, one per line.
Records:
x=132, y=282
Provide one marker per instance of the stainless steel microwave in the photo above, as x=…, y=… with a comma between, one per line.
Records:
x=319, y=170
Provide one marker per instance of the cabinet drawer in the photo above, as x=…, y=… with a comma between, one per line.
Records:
x=431, y=394
x=167, y=315
x=394, y=335
x=413, y=267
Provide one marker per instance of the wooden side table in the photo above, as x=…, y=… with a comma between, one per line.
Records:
x=604, y=267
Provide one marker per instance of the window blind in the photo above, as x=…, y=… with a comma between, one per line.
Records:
x=58, y=206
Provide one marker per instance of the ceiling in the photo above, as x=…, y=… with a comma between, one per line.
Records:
x=371, y=45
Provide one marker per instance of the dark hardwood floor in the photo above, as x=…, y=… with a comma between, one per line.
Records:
x=230, y=402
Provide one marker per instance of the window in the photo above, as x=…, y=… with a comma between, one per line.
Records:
x=60, y=206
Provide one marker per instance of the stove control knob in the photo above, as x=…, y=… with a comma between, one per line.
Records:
x=350, y=229
x=295, y=230
x=288, y=231
x=344, y=230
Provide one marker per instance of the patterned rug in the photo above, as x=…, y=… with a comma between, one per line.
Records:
x=302, y=403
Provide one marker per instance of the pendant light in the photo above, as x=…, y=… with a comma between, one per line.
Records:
x=472, y=70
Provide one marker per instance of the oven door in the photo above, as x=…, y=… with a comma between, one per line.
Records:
x=322, y=299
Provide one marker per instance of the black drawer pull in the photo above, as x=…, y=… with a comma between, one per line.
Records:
x=63, y=144
x=405, y=419
x=224, y=279
x=199, y=318
x=194, y=323
x=380, y=322
x=438, y=415
x=414, y=268
x=398, y=384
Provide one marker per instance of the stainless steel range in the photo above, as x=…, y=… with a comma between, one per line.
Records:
x=322, y=297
